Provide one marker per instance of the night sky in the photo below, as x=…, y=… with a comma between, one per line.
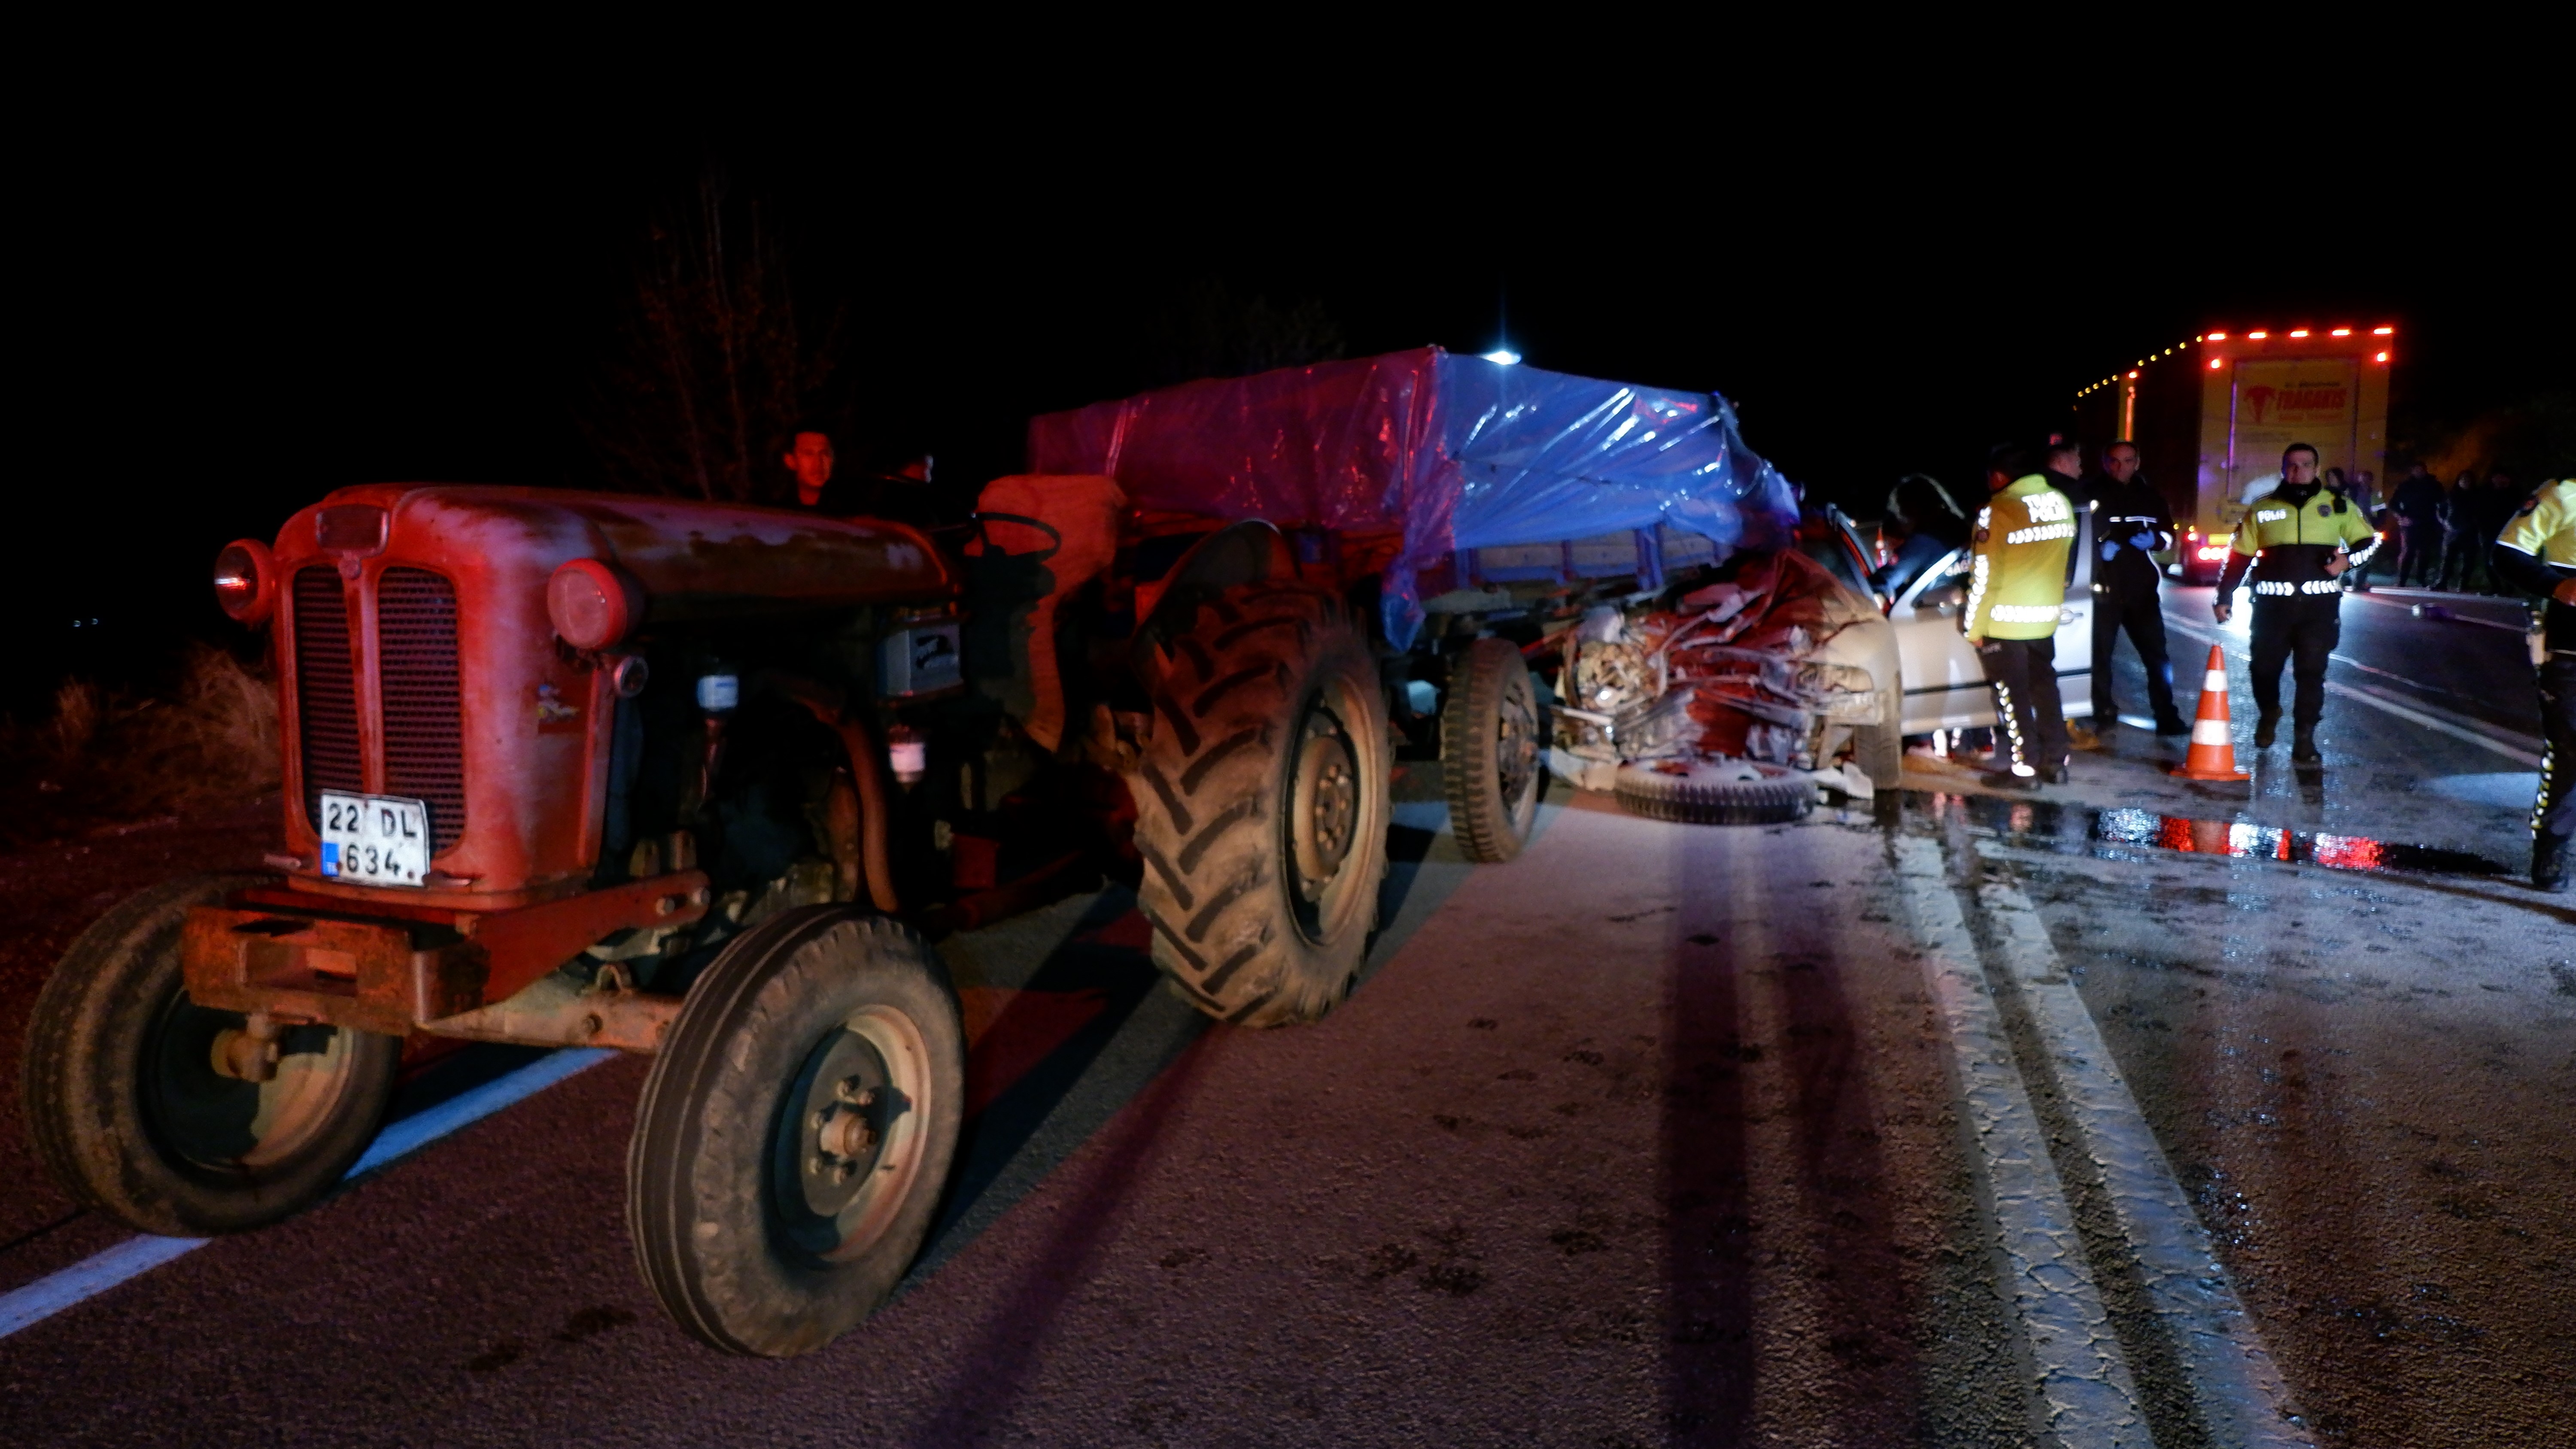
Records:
x=232, y=317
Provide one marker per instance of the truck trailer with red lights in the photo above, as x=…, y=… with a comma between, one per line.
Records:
x=2211, y=414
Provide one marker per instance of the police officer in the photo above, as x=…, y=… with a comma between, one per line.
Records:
x=2016, y=586
x=2537, y=553
x=2130, y=523
x=2304, y=537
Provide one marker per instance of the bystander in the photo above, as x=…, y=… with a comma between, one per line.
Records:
x=2417, y=503
x=2464, y=511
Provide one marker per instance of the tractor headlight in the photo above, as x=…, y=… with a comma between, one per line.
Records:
x=246, y=581
x=592, y=604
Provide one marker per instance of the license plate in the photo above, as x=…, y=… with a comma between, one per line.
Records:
x=375, y=839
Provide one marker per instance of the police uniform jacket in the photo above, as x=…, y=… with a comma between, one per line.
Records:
x=2017, y=562
x=2288, y=537
x=2538, y=553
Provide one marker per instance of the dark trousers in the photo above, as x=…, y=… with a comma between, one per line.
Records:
x=2553, y=815
x=2462, y=555
x=2030, y=722
x=2419, y=553
x=2135, y=609
x=2300, y=630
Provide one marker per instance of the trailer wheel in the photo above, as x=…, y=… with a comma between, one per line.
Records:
x=1491, y=732
x=796, y=1131
x=1262, y=805
x=125, y=1104
x=1715, y=792
x=1880, y=748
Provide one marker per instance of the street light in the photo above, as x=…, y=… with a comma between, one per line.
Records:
x=1502, y=356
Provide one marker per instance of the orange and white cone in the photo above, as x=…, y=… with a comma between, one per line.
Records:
x=2213, y=749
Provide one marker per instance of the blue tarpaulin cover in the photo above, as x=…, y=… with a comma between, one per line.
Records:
x=1452, y=452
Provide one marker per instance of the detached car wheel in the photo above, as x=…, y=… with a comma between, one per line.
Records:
x=796, y=1131
x=1714, y=792
x=130, y=1097
x=1491, y=733
x=1262, y=805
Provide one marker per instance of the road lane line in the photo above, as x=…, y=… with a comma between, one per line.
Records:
x=2378, y=701
x=49, y=1295
x=2234, y=1382
x=2083, y=1378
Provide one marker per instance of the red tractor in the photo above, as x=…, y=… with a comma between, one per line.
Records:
x=704, y=781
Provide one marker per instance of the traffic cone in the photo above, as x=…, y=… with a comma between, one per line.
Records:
x=2213, y=751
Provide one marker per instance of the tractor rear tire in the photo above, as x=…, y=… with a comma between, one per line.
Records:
x=126, y=1108
x=796, y=1131
x=1262, y=805
x=1492, y=730
x=1724, y=792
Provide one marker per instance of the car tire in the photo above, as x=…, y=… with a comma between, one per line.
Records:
x=1493, y=730
x=796, y=1131
x=1262, y=804
x=124, y=1104
x=1714, y=792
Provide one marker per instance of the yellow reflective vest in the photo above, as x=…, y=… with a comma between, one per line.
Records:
x=2293, y=538
x=2546, y=526
x=2017, y=565
x=2544, y=531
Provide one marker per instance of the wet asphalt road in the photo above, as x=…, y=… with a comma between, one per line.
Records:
x=1657, y=1135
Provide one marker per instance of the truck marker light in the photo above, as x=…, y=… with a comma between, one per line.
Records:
x=2133, y=375
x=2215, y=337
x=2340, y=332
x=2258, y=336
x=2383, y=357
x=2383, y=331
x=2298, y=332
x=2214, y=363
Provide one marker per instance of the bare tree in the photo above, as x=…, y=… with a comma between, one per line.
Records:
x=712, y=363
x=1207, y=329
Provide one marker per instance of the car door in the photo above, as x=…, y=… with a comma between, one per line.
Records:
x=1945, y=686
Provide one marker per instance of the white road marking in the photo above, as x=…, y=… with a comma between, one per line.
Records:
x=2084, y=1380
x=2412, y=713
x=137, y=1256
x=2234, y=1382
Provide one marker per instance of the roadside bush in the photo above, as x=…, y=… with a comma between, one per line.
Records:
x=105, y=757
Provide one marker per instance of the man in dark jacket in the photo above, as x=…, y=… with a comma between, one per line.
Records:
x=2131, y=522
x=2417, y=503
x=2464, y=517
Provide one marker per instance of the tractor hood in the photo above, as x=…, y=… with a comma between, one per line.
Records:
x=694, y=560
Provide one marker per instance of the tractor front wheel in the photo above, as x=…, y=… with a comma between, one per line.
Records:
x=138, y=1100
x=796, y=1131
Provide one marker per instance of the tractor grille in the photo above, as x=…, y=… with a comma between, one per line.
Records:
x=421, y=685
x=326, y=692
